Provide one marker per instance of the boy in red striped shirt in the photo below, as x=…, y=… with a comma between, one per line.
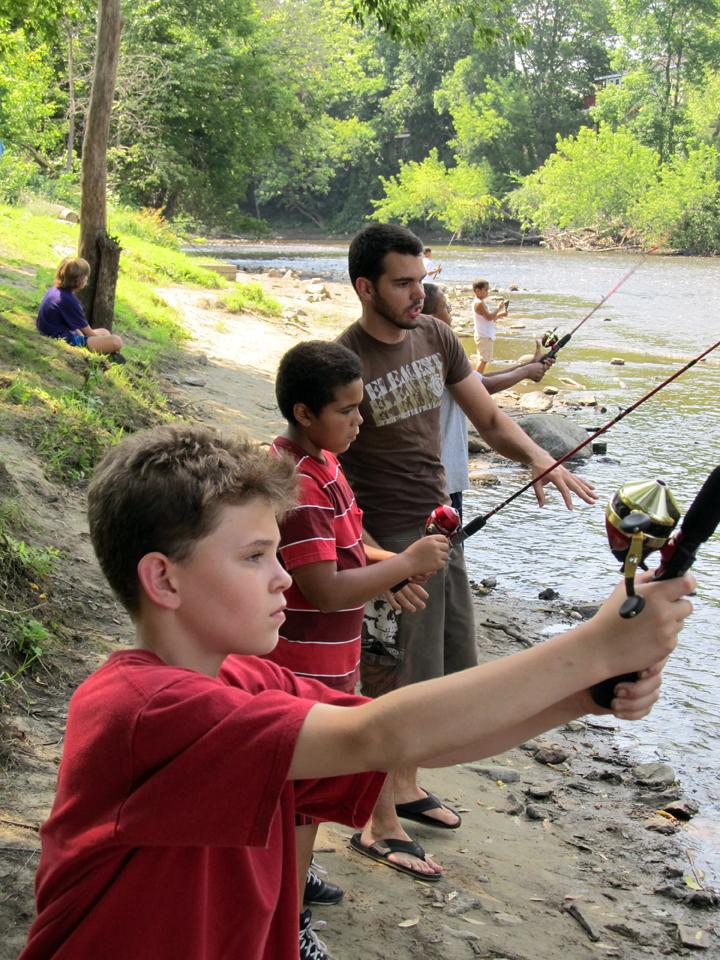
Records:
x=319, y=389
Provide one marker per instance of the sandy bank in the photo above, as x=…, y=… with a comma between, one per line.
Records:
x=543, y=849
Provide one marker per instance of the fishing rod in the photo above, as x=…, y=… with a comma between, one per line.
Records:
x=640, y=519
x=479, y=522
x=563, y=341
x=441, y=520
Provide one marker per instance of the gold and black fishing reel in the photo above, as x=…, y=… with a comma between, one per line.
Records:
x=639, y=519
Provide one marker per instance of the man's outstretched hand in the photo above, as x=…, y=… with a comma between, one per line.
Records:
x=566, y=482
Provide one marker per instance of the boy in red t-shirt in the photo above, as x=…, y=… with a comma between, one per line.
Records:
x=186, y=758
x=318, y=389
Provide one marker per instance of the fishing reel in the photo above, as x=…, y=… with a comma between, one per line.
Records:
x=443, y=520
x=549, y=338
x=639, y=519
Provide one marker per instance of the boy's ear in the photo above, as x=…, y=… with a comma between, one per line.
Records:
x=155, y=572
x=302, y=415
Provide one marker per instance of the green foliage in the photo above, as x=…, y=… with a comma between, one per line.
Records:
x=252, y=297
x=665, y=51
x=23, y=645
x=412, y=23
x=23, y=563
x=458, y=198
x=700, y=232
x=612, y=183
x=71, y=404
x=41, y=18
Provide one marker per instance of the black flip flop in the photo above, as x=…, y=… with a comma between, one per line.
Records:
x=415, y=811
x=381, y=850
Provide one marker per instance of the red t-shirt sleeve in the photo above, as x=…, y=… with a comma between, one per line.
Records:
x=308, y=532
x=212, y=763
x=348, y=799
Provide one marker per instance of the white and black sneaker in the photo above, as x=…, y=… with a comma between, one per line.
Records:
x=321, y=892
x=311, y=948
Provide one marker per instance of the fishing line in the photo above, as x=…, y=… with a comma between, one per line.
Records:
x=479, y=522
x=566, y=339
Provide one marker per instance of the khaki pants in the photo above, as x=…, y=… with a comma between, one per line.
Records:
x=432, y=642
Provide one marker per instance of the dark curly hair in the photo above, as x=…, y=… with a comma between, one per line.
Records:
x=311, y=372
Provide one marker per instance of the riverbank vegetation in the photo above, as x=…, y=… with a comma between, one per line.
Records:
x=71, y=404
x=63, y=407
x=243, y=117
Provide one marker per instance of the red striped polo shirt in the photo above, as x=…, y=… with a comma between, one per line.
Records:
x=327, y=525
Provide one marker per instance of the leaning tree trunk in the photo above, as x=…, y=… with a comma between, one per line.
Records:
x=101, y=251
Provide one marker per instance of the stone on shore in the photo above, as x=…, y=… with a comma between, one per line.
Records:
x=682, y=809
x=654, y=774
x=687, y=937
x=555, y=434
x=551, y=753
x=476, y=445
x=506, y=774
x=535, y=400
x=618, y=362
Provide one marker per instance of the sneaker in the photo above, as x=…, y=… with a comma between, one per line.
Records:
x=310, y=947
x=116, y=358
x=321, y=892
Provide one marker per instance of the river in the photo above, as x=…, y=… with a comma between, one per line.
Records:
x=663, y=315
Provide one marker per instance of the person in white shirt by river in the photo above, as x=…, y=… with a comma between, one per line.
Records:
x=485, y=323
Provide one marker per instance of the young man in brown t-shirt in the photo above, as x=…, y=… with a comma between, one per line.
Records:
x=396, y=473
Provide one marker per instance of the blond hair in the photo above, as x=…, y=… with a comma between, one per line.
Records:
x=70, y=273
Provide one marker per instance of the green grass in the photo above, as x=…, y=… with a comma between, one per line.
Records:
x=69, y=404
x=252, y=297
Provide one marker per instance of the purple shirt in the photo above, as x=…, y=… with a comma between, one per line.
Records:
x=60, y=314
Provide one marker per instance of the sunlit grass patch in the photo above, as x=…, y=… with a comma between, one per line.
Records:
x=252, y=297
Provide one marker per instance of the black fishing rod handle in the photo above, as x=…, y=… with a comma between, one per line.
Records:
x=603, y=693
x=558, y=346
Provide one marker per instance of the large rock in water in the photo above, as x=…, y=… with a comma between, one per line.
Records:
x=555, y=434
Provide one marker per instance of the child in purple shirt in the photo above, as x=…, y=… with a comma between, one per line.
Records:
x=61, y=315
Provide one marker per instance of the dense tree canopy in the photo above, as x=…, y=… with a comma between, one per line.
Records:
x=248, y=115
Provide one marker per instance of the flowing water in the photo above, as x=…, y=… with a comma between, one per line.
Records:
x=665, y=314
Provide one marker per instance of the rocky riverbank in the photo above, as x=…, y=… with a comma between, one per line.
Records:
x=565, y=849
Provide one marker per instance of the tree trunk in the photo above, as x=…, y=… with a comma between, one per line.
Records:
x=71, y=100
x=95, y=245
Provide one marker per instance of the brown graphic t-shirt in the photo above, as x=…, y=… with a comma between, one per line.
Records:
x=394, y=466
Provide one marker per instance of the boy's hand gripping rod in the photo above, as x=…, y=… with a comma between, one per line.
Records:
x=677, y=554
x=566, y=339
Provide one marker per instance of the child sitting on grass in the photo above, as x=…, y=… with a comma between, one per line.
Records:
x=61, y=314
x=319, y=389
x=186, y=758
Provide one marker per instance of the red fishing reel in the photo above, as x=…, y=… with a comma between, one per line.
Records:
x=549, y=338
x=443, y=520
